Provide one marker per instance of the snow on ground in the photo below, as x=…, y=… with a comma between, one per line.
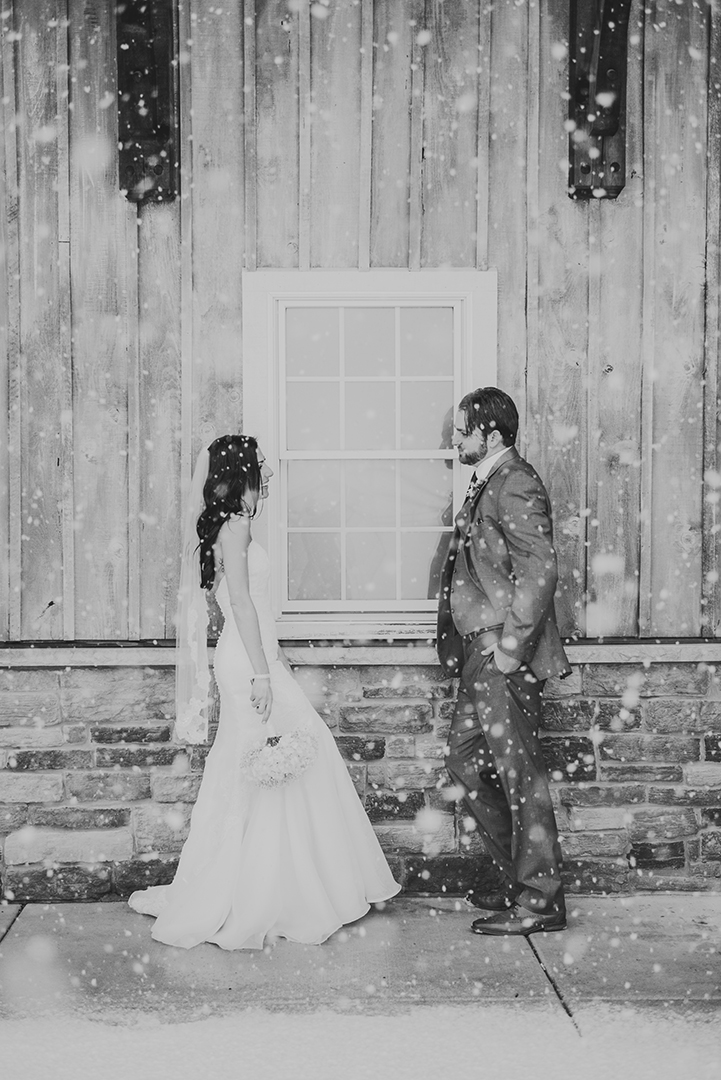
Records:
x=430, y=1042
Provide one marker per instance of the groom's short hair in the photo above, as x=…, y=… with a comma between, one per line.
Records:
x=490, y=409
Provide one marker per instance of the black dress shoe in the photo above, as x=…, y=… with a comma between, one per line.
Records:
x=495, y=900
x=520, y=922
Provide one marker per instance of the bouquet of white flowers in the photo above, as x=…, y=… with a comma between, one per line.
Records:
x=280, y=758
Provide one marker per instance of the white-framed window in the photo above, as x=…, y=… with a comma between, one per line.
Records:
x=350, y=383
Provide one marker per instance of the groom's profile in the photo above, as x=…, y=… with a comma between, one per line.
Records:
x=497, y=632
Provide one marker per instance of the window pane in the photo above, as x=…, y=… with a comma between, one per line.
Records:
x=426, y=492
x=314, y=566
x=370, y=416
x=427, y=341
x=424, y=406
x=370, y=494
x=370, y=341
x=422, y=558
x=312, y=416
x=312, y=341
x=313, y=493
x=371, y=566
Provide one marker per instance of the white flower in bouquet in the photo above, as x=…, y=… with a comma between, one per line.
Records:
x=280, y=759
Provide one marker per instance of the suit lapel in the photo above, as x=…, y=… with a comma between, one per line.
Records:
x=511, y=454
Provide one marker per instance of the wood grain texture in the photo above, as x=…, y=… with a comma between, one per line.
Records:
x=277, y=136
x=217, y=80
x=450, y=135
x=130, y=317
x=557, y=344
x=483, y=162
x=159, y=418
x=391, y=157
x=100, y=372
x=677, y=155
x=335, y=127
x=37, y=386
x=250, y=121
x=614, y=379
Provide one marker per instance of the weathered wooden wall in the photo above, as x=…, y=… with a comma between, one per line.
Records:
x=403, y=133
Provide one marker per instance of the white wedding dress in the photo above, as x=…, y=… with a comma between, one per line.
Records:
x=296, y=861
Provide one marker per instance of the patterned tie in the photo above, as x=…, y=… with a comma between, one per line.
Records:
x=473, y=488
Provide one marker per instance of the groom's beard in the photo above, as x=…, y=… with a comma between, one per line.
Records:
x=473, y=457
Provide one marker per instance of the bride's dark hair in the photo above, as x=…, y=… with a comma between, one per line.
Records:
x=233, y=470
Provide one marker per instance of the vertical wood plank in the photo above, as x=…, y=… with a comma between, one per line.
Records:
x=305, y=137
x=677, y=152
x=185, y=142
x=129, y=307
x=483, y=165
x=450, y=137
x=335, y=128
x=277, y=136
x=159, y=288
x=217, y=80
x=366, y=136
x=614, y=378
x=711, y=600
x=250, y=170
x=557, y=341
x=40, y=374
x=100, y=373
x=417, y=172
x=10, y=491
x=391, y=168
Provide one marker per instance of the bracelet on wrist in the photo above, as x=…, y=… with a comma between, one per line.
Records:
x=253, y=677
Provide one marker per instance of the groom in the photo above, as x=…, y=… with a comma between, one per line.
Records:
x=497, y=632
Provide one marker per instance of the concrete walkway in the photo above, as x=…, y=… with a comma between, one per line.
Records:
x=98, y=960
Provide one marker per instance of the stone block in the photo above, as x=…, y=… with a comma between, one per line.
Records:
x=399, y=774
x=101, y=695
x=710, y=816
x=654, y=824
x=12, y=816
x=703, y=774
x=664, y=715
x=601, y=794
x=594, y=845
x=385, y=807
x=198, y=756
x=130, y=733
x=711, y=844
x=569, y=758
x=325, y=686
x=453, y=875
x=678, y=795
x=400, y=746
x=35, y=884
x=28, y=708
x=79, y=817
x=30, y=788
x=711, y=716
x=161, y=828
x=444, y=716
x=358, y=774
x=75, y=733
x=568, y=715
x=614, y=716
x=599, y=818
x=643, y=748
x=356, y=748
x=27, y=760
x=646, y=855
x=657, y=680
x=712, y=747
x=406, y=682
x=34, y=680
x=386, y=719
x=556, y=687
x=438, y=838
x=106, y=757
x=115, y=786
x=641, y=773
x=30, y=736
x=34, y=845
x=602, y=876
x=166, y=787
x=141, y=873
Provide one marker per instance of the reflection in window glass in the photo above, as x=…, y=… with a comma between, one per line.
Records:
x=370, y=500
x=314, y=566
x=424, y=406
x=427, y=341
x=371, y=566
x=426, y=493
x=313, y=494
x=370, y=416
x=313, y=421
x=422, y=558
x=312, y=341
x=370, y=343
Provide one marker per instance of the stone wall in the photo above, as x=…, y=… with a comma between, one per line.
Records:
x=96, y=794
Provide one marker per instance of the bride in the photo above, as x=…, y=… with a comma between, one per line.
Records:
x=264, y=859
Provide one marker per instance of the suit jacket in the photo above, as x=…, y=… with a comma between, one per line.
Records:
x=508, y=537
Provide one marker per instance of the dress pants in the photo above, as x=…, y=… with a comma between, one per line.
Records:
x=494, y=754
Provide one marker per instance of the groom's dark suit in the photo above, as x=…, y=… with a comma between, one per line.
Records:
x=497, y=585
